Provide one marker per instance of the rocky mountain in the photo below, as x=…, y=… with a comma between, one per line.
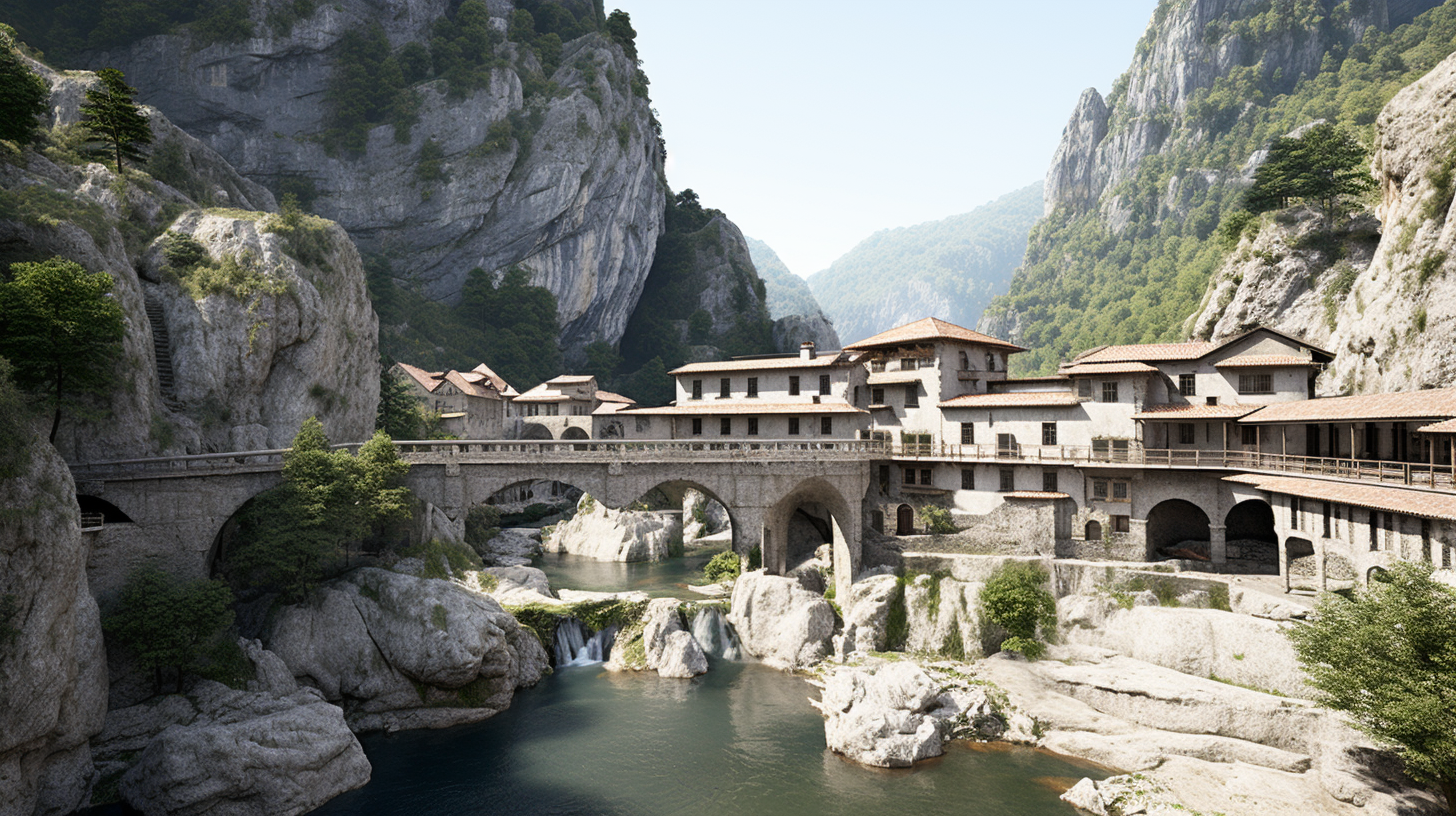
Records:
x=1375, y=289
x=1143, y=177
x=441, y=135
x=949, y=268
x=239, y=323
x=796, y=314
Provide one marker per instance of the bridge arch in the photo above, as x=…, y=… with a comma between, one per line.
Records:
x=573, y=432
x=1175, y=521
x=95, y=507
x=839, y=525
x=536, y=431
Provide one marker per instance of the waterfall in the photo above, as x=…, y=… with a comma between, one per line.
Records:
x=576, y=645
x=714, y=635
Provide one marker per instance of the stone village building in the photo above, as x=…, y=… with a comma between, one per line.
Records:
x=472, y=404
x=1213, y=454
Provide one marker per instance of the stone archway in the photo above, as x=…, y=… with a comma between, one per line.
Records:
x=1300, y=567
x=815, y=498
x=1176, y=524
x=100, y=510
x=1093, y=531
x=1252, y=545
x=536, y=431
x=574, y=432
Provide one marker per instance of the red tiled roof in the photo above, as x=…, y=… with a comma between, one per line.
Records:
x=608, y=396
x=497, y=380
x=1146, y=351
x=1014, y=399
x=1421, y=503
x=824, y=360
x=1264, y=361
x=746, y=408
x=1437, y=403
x=1195, y=411
x=1449, y=426
x=930, y=328
x=428, y=380
x=1084, y=369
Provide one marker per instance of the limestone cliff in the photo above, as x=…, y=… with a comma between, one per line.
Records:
x=557, y=168
x=52, y=662
x=1387, y=310
x=266, y=326
x=796, y=314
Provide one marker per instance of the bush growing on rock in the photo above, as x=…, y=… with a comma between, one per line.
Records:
x=724, y=566
x=172, y=624
x=482, y=523
x=1016, y=600
x=936, y=519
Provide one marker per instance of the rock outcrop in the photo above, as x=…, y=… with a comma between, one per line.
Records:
x=561, y=174
x=791, y=303
x=241, y=752
x=598, y=531
x=512, y=547
x=867, y=614
x=702, y=516
x=401, y=652
x=780, y=622
x=671, y=649
x=52, y=661
x=278, y=330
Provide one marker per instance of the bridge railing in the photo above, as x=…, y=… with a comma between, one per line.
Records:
x=193, y=464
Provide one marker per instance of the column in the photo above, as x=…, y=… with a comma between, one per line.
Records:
x=1217, y=544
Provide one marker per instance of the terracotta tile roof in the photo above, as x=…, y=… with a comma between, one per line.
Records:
x=824, y=360
x=1146, y=351
x=1015, y=399
x=1421, y=503
x=930, y=328
x=1168, y=412
x=894, y=377
x=608, y=408
x=1449, y=426
x=608, y=396
x=1437, y=403
x=1084, y=369
x=746, y=408
x=1043, y=495
x=571, y=379
x=428, y=380
x=1264, y=361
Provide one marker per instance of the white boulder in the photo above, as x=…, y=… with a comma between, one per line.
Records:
x=597, y=531
x=780, y=622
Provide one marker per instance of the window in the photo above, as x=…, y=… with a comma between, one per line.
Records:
x=968, y=433
x=1249, y=434
x=724, y=390
x=1109, y=392
x=877, y=396
x=1296, y=507
x=793, y=426
x=1326, y=508
x=752, y=386
x=1255, y=384
x=826, y=426
x=824, y=384
x=877, y=366
x=909, y=364
x=725, y=426
x=965, y=362
x=697, y=426
x=1084, y=389
x=968, y=479
x=1099, y=489
x=990, y=361
x=925, y=477
x=1426, y=540
x=1374, y=531
x=793, y=385
x=856, y=395
x=1093, y=531
x=1049, y=433
x=1005, y=444
x=909, y=476
x=1187, y=385
x=1187, y=433
x=884, y=478
x=1119, y=450
x=1120, y=491
x=753, y=426
x=912, y=395
x=1008, y=480
x=697, y=389
x=1049, y=481
x=1120, y=524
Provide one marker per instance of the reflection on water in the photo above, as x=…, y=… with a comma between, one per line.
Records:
x=659, y=579
x=739, y=740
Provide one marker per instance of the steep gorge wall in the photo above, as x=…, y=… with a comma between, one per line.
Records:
x=561, y=174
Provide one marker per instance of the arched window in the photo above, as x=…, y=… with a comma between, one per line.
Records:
x=990, y=361
x=1094, y=531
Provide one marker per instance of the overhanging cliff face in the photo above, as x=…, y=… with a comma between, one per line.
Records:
x=560, y=174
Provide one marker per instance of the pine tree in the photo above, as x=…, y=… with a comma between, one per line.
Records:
x=24, y=96
x=112, y=117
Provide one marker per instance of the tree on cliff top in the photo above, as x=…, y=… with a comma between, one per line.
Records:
x=111, y=116
x=1323, y=166
x=61, y=331
x=1387, y=657
x=24, y=96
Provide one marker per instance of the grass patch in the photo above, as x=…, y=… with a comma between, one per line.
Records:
x=440, y=617
x=444, y=559
x=1218, y=597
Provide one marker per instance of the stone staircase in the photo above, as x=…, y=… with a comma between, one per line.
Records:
x=162, y=348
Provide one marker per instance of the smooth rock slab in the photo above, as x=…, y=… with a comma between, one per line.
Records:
x=780, y=622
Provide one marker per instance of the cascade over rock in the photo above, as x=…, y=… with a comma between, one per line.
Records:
x=576, y=198
x=52, y=660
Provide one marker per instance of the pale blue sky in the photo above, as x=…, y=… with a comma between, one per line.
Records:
x=813, y=123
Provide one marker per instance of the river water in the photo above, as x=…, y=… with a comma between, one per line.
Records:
x=741, y=739
x=659, y=579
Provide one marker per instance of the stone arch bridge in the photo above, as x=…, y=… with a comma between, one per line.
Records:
x=172, y=509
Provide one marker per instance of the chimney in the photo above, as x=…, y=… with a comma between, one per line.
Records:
x=806, y=350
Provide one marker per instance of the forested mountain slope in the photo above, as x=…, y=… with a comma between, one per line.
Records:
x=1142, y=179
x=948, y=269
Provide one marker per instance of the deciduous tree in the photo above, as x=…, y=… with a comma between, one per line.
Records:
x=114, y=119
x=24, y=96
x=1323, y=166
x=60, y=330
x=1387, y=657
x=169, y=623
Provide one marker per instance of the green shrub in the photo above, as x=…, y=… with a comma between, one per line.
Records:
x=1015, y=598
x=1218, y=597
x=167, y=623
x=482, y=524
x=444, y=559
x=936, y=519
x=724, y=566
x=305, y=237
